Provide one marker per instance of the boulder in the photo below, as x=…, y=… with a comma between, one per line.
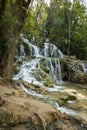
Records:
x=72, y=71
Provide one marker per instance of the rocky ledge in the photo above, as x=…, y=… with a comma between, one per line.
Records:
x=73, y=71
x=19, y=111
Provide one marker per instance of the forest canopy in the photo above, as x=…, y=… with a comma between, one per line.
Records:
x=64, y=23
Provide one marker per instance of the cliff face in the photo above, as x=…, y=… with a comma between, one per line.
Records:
x=21, y=111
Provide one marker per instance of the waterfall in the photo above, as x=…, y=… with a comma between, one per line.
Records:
x=60, y=53
x=22, y=52
x=26, y=71
x=50, y=53
x=84, y=66
x=55, y=69
x=34, y=50
x=51, y=50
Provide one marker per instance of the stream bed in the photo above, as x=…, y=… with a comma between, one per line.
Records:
x=39, y=72
x=67, y=98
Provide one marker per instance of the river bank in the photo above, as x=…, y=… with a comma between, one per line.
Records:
x=21, y=111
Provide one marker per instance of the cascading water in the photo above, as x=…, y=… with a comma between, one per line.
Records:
x=51, y=50
x=22, y=52
x=34, y=50
x=55, y=69
x=39, y=64
x=84, y=66
x=50, y=53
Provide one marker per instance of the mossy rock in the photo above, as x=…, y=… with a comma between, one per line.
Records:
x=40, y=75
x=45, y=69
x=26, y=49
x=71, y=97
x=43, y=65
x=26, y=84
x=73, y=71
x=48, y=83
x=16, y=67
x=63, y=101
x=41, y=45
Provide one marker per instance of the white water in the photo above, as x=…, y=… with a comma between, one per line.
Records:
x=70, y=111
x=84, y=66
x=51, y=50
x=51, y=55
x=64, y=109
x=33, y=93
x=25, y=72
x=22, y=52
x=54, y=88
x=55, y=69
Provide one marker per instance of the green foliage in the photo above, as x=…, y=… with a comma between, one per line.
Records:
x=12, y=18
x=64, y=23
x=66, y=26
x=8, y=23
x=35, y=21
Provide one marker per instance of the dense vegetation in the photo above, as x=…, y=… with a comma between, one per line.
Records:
x=12, y=19
x=64, y=23
x=67, y=26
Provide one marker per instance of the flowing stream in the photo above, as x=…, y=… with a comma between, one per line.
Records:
x=42, y=65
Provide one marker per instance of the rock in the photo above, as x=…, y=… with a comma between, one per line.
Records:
x=21, y=113
x=72, y=71
x=1, y=102
x=63, y=101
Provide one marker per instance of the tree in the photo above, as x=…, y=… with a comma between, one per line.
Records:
x=65, y=20
x=34, y=25
x=12, y=15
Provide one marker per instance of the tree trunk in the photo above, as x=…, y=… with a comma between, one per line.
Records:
x=2, y=11
x=2, y=8
x=8, y=56
x=69, y=35
x=8, y=61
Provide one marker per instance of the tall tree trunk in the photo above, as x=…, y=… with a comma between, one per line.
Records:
x=8, y=61
x=8, y=57
x=2, y=11
x=69, y=35
x=2, y=8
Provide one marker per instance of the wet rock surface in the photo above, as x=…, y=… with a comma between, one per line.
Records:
x=73, y=71
x=23, y=112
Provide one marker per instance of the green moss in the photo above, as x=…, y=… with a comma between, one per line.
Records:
x=71, y=97
x=26, y=84
x=41, y=45
x=48, y=83
x=40, y=75
x=64, y=100
x=72, y=70
x=43, y=65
